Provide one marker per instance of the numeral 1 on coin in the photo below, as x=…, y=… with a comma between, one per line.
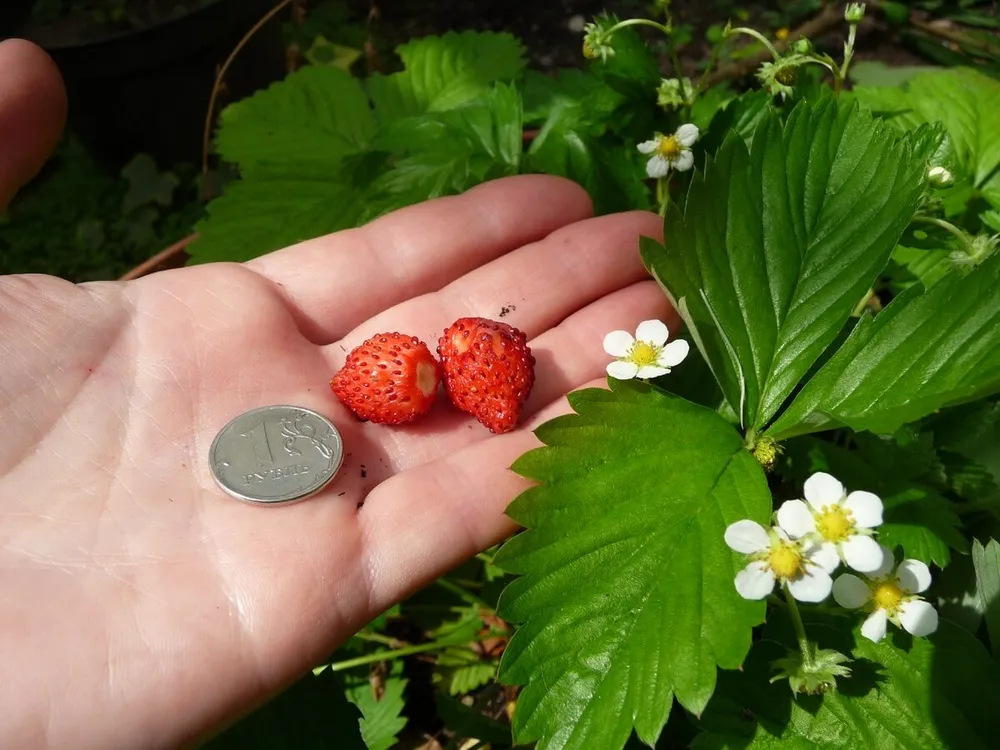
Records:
x=260, y=445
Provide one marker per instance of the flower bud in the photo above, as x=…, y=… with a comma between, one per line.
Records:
x=854, y=13
x=939, y=177
x=802, y=47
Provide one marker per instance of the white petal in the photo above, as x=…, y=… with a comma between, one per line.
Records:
x=913, y=576
x=863, y=553
x=622, y=370
x=687, y=134
x=851, y=592
x=888, y=563
x=822, y=489
x=747, y=536
x=796, y=519
x=657, y=167
x=918, y=617
x=684, y=161
x=618, y=343
x=874, y=626
x=866, y=509
x=812, y=586
x=755, y=581
x=651, y=371
x=647, y=147
x=825, y=555
x=654, y=332
x=673, y=353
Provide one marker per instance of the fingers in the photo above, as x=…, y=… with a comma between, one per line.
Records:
x=539, y=285
x=32, y=113
x=333, y=283
x=418, y=525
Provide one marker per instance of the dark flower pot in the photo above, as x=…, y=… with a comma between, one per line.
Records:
x=147, y=90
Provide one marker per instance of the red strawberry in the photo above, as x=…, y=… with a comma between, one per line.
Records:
x=488, y=370
x=390, y=379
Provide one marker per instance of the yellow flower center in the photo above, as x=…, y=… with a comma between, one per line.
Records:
x=785, y=560
x=669, y=147
x=835, y=523
x=644, y=353
x=888, y=596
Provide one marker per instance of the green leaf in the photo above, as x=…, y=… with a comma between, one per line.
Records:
x=923, y=523
x=876, y=73
x=987, y=563
x=316, y=115
x=313, y=713
x=922, y=352
x=917, y=266
x=445, y=153
x=382, y=718
x=443, y=72
x=146, y=184
x=777, y=245
x=637, y=488
x=275, y=210
x=966, y=102
x=906, y=693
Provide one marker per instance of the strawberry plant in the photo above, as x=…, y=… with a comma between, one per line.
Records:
x=777, y=527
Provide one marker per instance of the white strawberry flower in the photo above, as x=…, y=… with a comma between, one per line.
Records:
x=774, y=557
x=891, y=595
x=670, y=151
x=840, y=523
x=647, y=354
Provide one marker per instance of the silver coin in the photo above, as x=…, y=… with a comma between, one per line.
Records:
x=276, y=454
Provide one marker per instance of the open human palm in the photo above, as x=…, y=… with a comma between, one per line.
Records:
x=142, y=606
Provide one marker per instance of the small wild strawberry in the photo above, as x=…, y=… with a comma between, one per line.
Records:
x=389, y=379
x=488, y=370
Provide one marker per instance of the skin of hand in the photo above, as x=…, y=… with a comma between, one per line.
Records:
x=140, y=606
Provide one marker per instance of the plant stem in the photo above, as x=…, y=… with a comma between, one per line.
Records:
x=758, y=36
x=639, y=22
x=465, y=594
x=800, y=629
x=946, y=225
x=860, y=307
x=841, y=76
x=397, y=653
x=379, y=638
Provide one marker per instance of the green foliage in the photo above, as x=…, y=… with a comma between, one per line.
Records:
x=966, y=102
x=986, y=560
x=924, y=351
x=316, y=157
x=381, y=704
x=765, y=290
x=313, y=713
x=905, y=694
x=651, y=481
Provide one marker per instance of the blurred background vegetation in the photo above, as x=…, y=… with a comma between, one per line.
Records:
x=130, y=179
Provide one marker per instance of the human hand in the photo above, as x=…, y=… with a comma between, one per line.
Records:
x=140, y=606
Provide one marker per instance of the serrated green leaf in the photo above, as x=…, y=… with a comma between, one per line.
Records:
x=966, y=102
x=272, y=211
x=936, y=693
x=922, y=352
x=443, y=72
x=777, y=245
x=313, y=713
x=316, y=115
x=917, y=266
x=445, y=153
x=382, y=715
x=987, y=564
x=637, y=490
x=923, y=523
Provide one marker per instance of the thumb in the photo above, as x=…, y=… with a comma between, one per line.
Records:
x=32, y=113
